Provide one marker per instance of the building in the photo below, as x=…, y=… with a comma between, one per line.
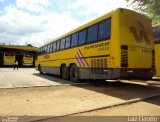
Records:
x=25, y=55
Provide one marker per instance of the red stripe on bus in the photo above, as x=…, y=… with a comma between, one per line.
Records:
x=77, y=59
x=84, y=59
x=79, y=55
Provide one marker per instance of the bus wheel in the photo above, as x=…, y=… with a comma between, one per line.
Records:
x=64, y=72
x=74, y=74
x=40, y=69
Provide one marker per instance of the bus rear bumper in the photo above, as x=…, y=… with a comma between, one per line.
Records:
x=130, y=73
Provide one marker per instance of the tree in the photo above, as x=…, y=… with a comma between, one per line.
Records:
x=150, y=8
x=30, y=45
x=2, y=43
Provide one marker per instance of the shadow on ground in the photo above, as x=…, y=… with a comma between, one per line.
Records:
x=125, y=91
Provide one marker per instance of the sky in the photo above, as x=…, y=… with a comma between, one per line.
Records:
x=37, y=22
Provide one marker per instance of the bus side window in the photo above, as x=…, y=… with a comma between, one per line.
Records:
x=48, y=49
x=58, y=44
x=68, y=42
x=62, y=44
x=92, y=33
x=54, y=46
x=74, y=41
x=51, y=48
x=104, y=30
x=82, y=37
x=44, y=50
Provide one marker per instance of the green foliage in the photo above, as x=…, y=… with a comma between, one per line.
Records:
x=150, y=8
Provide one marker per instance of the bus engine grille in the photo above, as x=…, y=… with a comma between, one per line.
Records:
x=98, y=66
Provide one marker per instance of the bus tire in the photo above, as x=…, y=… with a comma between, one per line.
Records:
x=74, y=73
x=40, y=69
x=64, y=72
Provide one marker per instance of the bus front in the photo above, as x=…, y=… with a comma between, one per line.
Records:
x=9, y=58
x=136, y=45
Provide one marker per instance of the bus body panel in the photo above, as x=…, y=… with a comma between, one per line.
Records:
x=90, y=59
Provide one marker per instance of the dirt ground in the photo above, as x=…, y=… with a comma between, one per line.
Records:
x=58, y=97
x=62, y=100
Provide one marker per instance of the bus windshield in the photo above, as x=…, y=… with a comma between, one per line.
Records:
x=28, y=55
x=9, y=54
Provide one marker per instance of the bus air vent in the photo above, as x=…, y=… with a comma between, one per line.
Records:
x=98, y=66
x=124, y=56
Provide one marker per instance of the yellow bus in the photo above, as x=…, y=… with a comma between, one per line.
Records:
x=156, y=30
x=9, y=58
x=28, y=59
x=117, y=45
